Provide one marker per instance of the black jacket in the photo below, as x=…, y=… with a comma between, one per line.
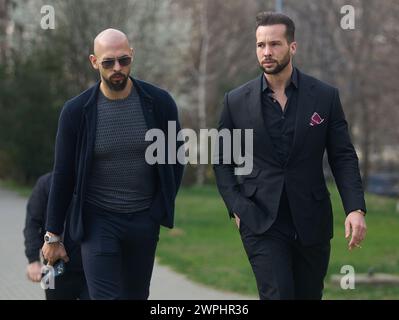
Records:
x=35, y=219
x=74, y=152
x=255, y=198
x=34, y=230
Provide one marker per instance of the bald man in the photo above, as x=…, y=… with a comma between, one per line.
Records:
x=114, y=199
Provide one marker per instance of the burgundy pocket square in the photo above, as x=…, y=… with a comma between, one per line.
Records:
x=315, y=120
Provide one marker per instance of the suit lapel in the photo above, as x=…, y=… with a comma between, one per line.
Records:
x=306, y=107
x=262, y=140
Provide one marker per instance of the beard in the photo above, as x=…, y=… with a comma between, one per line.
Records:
x=280, y=65
x=116, y=85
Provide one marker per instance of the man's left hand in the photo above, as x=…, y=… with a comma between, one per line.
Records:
x=355, y=224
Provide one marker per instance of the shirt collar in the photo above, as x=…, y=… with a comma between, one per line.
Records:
x=294, y=80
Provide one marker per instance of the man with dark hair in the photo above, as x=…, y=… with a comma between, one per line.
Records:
x=116, y=200
x=72, y=284
x=283, y=208
x=269, y=19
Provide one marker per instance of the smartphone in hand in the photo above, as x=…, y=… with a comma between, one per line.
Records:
x=58, y=267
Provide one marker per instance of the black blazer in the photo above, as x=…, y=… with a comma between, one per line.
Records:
x=255, y=198
x=74, y=152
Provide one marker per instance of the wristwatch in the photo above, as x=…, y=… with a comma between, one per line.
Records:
x=51, y=238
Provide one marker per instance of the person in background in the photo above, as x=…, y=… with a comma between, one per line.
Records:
x=72, y=284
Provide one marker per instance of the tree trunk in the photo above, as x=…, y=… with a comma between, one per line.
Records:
x=202, y=80
x=366, y=143
x=4, y=21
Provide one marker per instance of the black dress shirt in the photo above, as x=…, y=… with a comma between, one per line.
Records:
x=280, y=124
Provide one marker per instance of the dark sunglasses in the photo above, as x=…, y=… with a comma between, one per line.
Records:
x=109, y=63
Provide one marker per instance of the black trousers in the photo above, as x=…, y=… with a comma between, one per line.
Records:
x=284, y=269
x=118, y=252
x=69, y=286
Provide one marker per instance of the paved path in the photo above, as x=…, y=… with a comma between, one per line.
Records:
x=166, y=284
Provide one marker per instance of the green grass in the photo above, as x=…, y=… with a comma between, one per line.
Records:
x=206, y=246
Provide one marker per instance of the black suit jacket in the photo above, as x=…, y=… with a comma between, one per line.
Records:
x=255, y=198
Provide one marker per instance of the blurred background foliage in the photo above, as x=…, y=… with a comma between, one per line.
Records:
x=197, y=50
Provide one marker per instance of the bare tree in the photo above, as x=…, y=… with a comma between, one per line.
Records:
x=4, y=24
x=221, y=55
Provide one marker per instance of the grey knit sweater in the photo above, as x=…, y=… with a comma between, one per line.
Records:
x=121, y=181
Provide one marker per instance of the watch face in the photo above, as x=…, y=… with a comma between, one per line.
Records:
x=51, y=239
